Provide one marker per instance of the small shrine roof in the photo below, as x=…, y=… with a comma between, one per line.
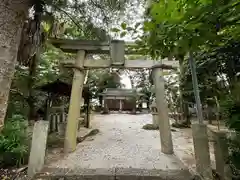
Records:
x=120, y=92
x=61, y=88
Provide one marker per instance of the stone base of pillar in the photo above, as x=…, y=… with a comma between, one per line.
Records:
x=201, y=149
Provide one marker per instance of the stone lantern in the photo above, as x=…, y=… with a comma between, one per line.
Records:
x=154, y=112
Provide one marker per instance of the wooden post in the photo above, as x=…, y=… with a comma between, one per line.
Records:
x=105, y=106
x=75, y=104
x=120, y=105
x=57, y=121
x=154, y=112
x=88, y=115
x=164, y=124
x=50, y=120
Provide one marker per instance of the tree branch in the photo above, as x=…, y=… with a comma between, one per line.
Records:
x=70, y=17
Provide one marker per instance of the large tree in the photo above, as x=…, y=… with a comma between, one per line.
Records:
x=12, y=16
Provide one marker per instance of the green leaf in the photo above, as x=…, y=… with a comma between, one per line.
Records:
x=115, y=30
x=123, y=34
x=124, y=26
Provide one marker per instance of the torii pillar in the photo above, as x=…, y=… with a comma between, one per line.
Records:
x=162, y=109
x=75, y=103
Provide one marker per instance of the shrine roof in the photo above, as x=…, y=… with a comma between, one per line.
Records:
x=120, y=92
x=61, y=88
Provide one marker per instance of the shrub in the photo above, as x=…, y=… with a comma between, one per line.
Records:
x=14, y=142
x=230, y=107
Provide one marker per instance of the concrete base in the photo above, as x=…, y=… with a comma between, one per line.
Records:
x=201, y=149
x=114, y=173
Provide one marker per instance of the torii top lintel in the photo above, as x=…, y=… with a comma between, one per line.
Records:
x=90, y=46
x=115, y=48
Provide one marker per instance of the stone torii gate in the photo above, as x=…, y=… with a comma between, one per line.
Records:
x=116, y=49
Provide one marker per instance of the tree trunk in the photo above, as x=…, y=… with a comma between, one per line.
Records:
x=100, y=99
x=148, y=103
x=31, y=81
x=186, y=114
x=12, y=16
x=131, y=81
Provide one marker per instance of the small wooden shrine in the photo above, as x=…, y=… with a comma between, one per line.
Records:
x=116, y=99
x=61, y=88
x=57, y=89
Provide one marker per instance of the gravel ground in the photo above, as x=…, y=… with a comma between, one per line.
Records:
x=121, y=143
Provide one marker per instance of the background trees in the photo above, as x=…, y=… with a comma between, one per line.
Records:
x=36, y=20
x=25, y=28
x=206, y=32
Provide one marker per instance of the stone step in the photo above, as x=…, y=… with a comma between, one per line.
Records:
x=113, y=174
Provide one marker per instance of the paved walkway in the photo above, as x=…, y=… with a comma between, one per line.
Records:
x=121, y=143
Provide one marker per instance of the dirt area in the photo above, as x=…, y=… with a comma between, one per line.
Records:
x=11, y=174
x=55, y=149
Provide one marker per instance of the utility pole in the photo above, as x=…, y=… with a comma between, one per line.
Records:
x=192, y=64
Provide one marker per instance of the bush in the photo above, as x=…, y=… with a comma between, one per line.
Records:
x=230, y=107
x=14, y=142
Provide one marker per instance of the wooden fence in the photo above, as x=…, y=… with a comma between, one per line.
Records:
x=56, y=120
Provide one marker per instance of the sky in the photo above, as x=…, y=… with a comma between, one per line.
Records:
x=131, y=16
x=126, y=81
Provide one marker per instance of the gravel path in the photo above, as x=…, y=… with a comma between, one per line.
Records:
x=121, y=143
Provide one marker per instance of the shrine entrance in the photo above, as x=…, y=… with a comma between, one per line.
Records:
x=117, y=51
x=116, y=99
